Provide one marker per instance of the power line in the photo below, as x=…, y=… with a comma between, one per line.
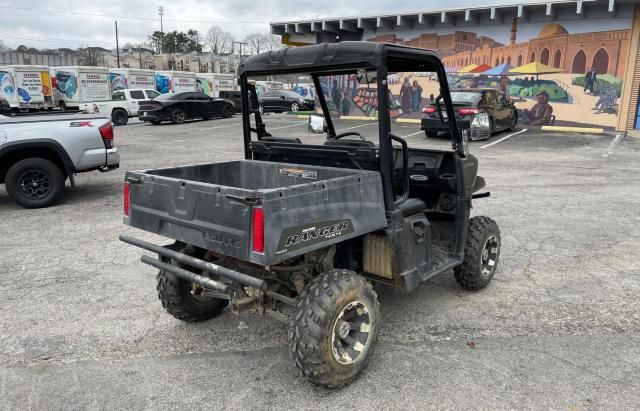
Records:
x=87, y=14
x=58, y=40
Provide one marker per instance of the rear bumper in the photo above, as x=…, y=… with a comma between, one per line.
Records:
x=476, y=132
x=113, y=158
x=153, y=116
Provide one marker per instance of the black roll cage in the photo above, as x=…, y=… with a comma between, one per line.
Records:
x=341, y=58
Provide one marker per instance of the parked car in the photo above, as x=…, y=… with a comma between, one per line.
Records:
x=277, y=101
x=486, y=110
x=123, y=104
x=39, y=152
x=235, y=96
x=183, y=106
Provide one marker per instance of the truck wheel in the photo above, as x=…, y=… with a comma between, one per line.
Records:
x=481, y=254
x=334, y=328
x=431, y=134
x=177, y=116
x=178, y=296
x=154, y=122
x=34, y=182
x=119, y=117
x=63, y=105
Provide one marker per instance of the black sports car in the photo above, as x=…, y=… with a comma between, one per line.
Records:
x=277, y=101
x=486, y=110
x=179, y=107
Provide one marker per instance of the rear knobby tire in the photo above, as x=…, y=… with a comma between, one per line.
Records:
x=330, y=341
x=176, y=295
x=481, y=254
x=35, y=183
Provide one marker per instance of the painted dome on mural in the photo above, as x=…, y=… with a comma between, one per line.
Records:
x=552, y=29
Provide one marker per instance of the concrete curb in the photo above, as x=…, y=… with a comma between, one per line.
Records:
x=573, y=129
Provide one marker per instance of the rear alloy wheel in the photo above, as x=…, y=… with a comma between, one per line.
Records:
x=514, y=121
x=227, y=112
x=34, y=183
x=334, y=328
x=295, y=107
x=119, y=117
x=177, y=116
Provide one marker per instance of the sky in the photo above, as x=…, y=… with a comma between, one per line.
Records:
x=73, y=23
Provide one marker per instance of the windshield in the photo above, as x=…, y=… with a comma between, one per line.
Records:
x=465, y=97
x=165, y=96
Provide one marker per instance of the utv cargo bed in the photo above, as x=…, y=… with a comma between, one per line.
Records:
x=262, y=212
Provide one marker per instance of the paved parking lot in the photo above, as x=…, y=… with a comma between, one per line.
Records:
x=559, y=326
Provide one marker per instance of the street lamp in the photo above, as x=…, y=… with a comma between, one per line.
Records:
x=160, y=13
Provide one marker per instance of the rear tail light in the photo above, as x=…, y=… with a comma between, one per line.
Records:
x=465, y=111
x=126, y=202
x=106, y=132
x=429, y=110
x=170, y=85
x=96, y=109
x=258, y=230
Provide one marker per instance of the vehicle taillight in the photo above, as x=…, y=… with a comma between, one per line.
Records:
x=429, y=110
x=106, y=131
x=258, y=230
x=126, y=202
x=465, y=111
x=170, y=88
x=96, y=109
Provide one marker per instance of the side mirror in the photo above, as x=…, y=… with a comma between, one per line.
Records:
x=282, y=97
x=316, y=124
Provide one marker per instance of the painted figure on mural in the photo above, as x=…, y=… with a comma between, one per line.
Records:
x=336, y=95
x=405, y=95
x=503, y=87
x=540, y=114
x=607, y=100
x=590, y=79
x=416, y=96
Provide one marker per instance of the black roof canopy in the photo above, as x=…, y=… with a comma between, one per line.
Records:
x=340, y=56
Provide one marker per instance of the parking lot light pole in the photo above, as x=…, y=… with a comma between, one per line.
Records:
x=161, y=13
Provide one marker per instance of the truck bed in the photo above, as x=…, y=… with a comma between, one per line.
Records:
x=212, y=206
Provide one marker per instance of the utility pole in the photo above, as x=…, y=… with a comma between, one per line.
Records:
x=117, y=46
x=161, y=13
x=240, y=43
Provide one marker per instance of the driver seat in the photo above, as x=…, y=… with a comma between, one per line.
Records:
x=412, y=206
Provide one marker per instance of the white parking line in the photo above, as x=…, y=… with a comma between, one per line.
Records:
x=215, y=128
x=359, y=125
x=614, y=143
x=504, y=138
x=414, y=134
x=290, y=125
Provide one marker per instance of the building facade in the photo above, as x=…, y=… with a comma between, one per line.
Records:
x=570, y=40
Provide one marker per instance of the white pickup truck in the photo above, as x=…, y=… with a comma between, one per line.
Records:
x=123, y=104
x=39, y=152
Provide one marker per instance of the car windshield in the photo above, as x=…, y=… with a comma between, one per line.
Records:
x=166, y=96
x=465, y=97
x=291, y=94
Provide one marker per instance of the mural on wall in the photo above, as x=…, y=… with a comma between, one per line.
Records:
x=553, y=74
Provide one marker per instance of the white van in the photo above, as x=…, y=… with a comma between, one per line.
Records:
x=175, y=81
x=212, y=84
x=25, y=87
x=74, y=85
x=125, y=78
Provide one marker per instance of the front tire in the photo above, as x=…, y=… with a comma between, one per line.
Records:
x=334, y=328
x=179, y=297
x=481, y=254
x=119, y=117
x=35, y=183
x=431, y=134
x=295, y=107
x=227, y=112
x=177, y=116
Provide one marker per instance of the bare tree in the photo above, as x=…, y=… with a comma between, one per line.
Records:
x=256, y=43
x=218, y=40
x=274, y=42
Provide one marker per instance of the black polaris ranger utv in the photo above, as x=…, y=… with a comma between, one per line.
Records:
x=301, y=231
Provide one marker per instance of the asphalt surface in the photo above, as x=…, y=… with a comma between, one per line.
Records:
x=558, y=327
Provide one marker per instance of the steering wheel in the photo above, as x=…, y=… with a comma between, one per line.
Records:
x=349, y=133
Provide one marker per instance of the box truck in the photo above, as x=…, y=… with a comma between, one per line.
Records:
x=75, y=85
x=120, y=79
x=175, y=81
x=25, y=87
x=212, y=84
